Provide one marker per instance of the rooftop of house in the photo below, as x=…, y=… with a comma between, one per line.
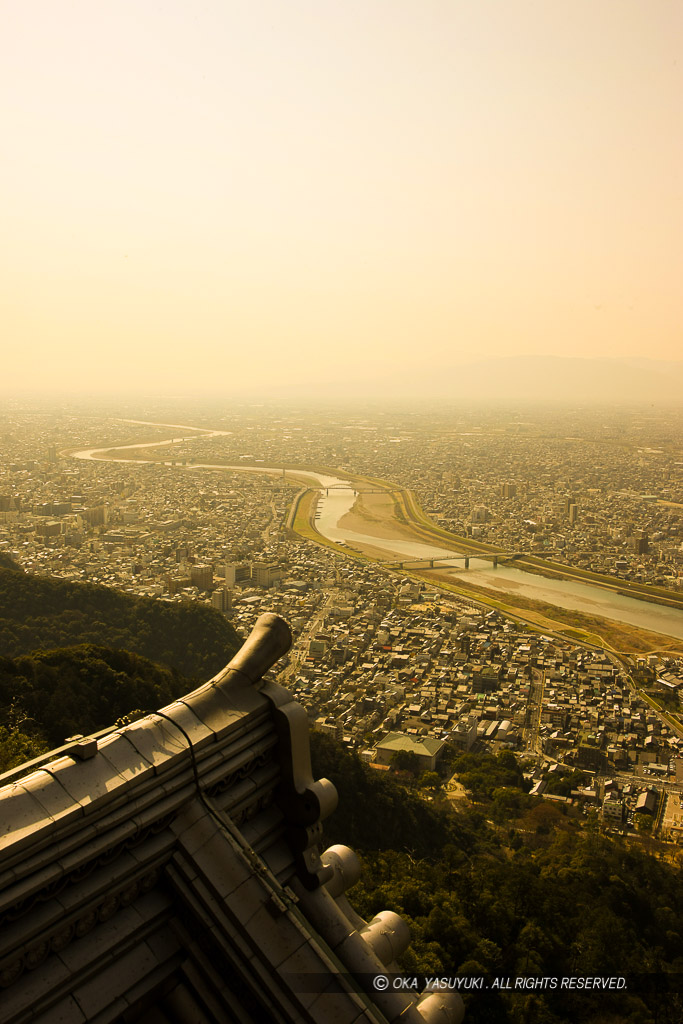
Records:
x=425, y=745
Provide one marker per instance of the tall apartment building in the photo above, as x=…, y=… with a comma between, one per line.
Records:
x=221, y=599
x=480, y=514
x=201, y=576
x=641, y=543
x=266, y=574
x=236, y=572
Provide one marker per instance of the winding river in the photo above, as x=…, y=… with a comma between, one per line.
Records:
x=501, y=580
x=505, y=579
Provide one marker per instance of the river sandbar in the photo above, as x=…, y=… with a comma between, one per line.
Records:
x=375, y=515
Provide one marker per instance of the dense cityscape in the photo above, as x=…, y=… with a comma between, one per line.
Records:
x=341, y=513
x=388, y=662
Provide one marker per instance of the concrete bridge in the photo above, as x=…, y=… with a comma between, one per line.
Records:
x=349, y=487
x=446, y=560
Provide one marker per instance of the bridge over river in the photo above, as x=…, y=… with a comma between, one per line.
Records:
x=356, y=491
x=338, y=498
x=447, y=560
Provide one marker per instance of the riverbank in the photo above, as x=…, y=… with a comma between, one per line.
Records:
x=369, y=515
x=397, y=515
x=594, y=629
x=377, y=526
x=386, y=523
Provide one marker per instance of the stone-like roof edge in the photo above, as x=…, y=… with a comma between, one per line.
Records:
x=108, y=769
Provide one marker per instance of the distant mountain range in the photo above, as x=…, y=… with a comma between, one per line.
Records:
x=563, y=379
x=568, y=379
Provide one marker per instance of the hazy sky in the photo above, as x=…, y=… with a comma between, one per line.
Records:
x=196, y=192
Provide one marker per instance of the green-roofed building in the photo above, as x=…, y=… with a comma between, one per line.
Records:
x=427, y=748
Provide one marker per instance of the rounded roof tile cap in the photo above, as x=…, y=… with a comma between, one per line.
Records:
x=268, y=641
x=346, y=867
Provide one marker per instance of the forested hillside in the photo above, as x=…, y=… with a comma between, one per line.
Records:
x=509, y=886
x=39, y=614
x=7, y=562
x=74, y=657
x=50, y=695
x=547, y=898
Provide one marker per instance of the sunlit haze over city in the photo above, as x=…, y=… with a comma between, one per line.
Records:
x=328, y=199
x=341, y=511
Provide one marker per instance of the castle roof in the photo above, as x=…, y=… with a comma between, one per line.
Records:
x=172, y=870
